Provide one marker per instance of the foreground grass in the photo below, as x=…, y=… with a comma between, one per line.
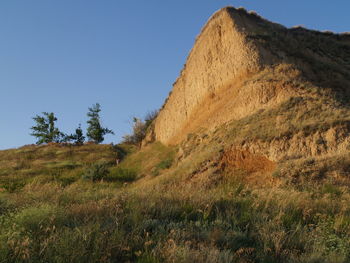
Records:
x=170, y=217
x=94, y=222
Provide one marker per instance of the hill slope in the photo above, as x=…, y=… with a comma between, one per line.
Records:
x=294, y=83
x=252, y=165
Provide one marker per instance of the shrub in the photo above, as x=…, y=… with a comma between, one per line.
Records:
x=96, y=172
x=119, y=152
x=138, y=134
x=140, y=128
x=34, y=218
x=165, y=164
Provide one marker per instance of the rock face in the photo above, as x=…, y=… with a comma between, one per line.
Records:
x=330, y=142
x=221, y=56
x=242, y=64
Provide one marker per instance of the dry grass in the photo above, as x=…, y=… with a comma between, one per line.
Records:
x=191, y=212
x=60, y=163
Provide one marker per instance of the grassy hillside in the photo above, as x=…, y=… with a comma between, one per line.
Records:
x=259, y=173
x=269, y=186
x=162, y=204
x=64, y=164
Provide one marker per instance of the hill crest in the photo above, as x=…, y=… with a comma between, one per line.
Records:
x=243, y=65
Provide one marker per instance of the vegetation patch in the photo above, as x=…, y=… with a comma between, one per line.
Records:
x=122, y=175
x=96, y=172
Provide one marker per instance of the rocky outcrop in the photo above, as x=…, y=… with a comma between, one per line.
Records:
x=333, y=141
x=221, y=59
x=242, y=64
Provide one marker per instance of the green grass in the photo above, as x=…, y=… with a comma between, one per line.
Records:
x=146, y=160
x=122, y=175
x=89, y=222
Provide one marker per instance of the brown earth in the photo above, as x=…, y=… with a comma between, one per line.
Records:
x=285, y=92
x=243, y=159
x=262, y=102
x=222, y=56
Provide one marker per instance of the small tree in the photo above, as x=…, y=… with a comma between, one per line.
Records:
x=138, y=132
x=45, y=130
x=139, y=129
x=78, y=138
x=95, y=131
x=150, y=117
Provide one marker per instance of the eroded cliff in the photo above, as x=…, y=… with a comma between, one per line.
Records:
x=243, y=66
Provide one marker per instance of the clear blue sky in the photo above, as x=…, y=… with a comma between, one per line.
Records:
x=62, y=56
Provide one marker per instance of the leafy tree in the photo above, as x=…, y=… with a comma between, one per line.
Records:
x=150, y=117
x=139, y=129
x=138, y=132
x=95, y=131
x=45, y=130
x=78, y=138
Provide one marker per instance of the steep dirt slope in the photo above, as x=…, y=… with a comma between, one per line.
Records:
x=278, y=92
x=222, y=57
